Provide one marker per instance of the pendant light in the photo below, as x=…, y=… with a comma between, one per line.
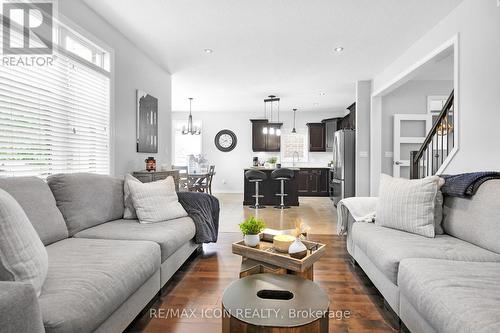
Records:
x=190, y=128
x=293, y=129
x=270, y=129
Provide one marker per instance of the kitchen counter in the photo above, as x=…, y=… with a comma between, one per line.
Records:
x=308, y=181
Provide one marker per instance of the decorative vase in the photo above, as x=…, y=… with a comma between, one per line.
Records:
x=251, y=240
x=297, y=250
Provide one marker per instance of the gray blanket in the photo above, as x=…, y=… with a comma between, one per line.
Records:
x=204, y=210
x=466, y=184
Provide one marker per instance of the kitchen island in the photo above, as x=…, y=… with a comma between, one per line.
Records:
x=307, y=181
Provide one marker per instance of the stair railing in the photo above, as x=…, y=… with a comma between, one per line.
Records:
x=437, y=144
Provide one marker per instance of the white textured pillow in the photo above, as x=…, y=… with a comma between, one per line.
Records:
x=129, y=212
x=22, y=254
x=408, y=205
x=156, y=201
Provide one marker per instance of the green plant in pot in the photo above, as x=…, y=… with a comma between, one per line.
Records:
x=251, y=228
x=272, y=161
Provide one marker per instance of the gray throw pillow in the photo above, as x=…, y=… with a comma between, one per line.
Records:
x=408, y=205
x=23, y=257
x=129, y=212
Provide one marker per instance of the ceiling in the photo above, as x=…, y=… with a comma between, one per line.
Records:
x=262, y=47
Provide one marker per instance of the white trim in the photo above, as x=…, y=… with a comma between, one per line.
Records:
x=431, y=98
x=376, y=107
x=400, y=78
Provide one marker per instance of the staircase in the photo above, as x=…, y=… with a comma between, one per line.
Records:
x=437, y=145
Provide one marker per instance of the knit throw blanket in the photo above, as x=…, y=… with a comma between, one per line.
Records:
x=204, y=210
x=466, y=184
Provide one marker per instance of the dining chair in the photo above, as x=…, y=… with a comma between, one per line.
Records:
x=211, y=174
x=183, y=176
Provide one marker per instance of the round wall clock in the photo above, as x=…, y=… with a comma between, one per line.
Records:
x=225, y=140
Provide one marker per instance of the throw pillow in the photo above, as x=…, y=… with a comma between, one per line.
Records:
x=22, y=254
x=156, y=201
x=408, y=205
x=129, y=212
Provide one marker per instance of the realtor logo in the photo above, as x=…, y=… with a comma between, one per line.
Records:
x=27, y=28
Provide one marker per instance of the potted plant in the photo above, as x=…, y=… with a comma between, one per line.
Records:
x=272, y=162
x=251, y=228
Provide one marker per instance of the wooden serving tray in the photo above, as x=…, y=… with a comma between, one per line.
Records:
x=266, y=253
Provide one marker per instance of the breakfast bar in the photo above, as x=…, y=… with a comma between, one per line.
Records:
x=269, y=188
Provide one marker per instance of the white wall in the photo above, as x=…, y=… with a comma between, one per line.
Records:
x=363, y=93
x=229, y=166
x=410, y=98
x=133, y=70
x=478, y=26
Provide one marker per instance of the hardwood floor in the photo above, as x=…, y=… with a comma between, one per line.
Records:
x=319, y=213
x=199, y=284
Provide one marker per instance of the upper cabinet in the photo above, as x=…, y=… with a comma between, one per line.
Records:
x=265, y=142
x=330, y=129
x=349, y=121
x=321, y=135
x=317, y=137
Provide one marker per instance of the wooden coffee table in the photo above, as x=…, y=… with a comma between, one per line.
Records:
x=265, y=259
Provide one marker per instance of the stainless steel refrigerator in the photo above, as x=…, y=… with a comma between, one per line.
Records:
x=343, y=170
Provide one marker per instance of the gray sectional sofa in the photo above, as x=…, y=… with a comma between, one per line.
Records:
x=446, y=284
x=103, y=270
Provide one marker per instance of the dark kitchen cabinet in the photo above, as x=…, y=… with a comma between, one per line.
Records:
x=317, y=140
x=303, y=181
x=312, y=182
x=273, y=142
x=330, y=129
x=264, y=142
x=349, y=121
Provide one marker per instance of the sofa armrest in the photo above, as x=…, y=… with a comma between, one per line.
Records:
x=358, y=209
x=19, y=309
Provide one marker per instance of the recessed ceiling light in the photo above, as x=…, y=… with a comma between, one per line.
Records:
x=315, y=104
x=338, y=49
x=208, y=51
x=322, y=93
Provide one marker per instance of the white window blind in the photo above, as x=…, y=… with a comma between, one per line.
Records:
x=54, y=119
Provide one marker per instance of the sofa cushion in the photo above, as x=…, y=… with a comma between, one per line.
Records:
x=155, y=201
x=34, y=195
x=23, y=257
x=86, y=199
x=170, y=235
x=408, y=205
x=387, y=247
x=477, y=219
x=88, y=279
x=453, y=296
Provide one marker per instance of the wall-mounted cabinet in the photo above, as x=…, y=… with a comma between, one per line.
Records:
x=330, y=129
x=317, y=137
x=349, y=121
x=265, y=142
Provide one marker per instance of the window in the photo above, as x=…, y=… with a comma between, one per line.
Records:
x=185, y=145
x=56, y=118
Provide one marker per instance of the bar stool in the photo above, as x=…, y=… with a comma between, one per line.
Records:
x=283, y=175
x=256, y=176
